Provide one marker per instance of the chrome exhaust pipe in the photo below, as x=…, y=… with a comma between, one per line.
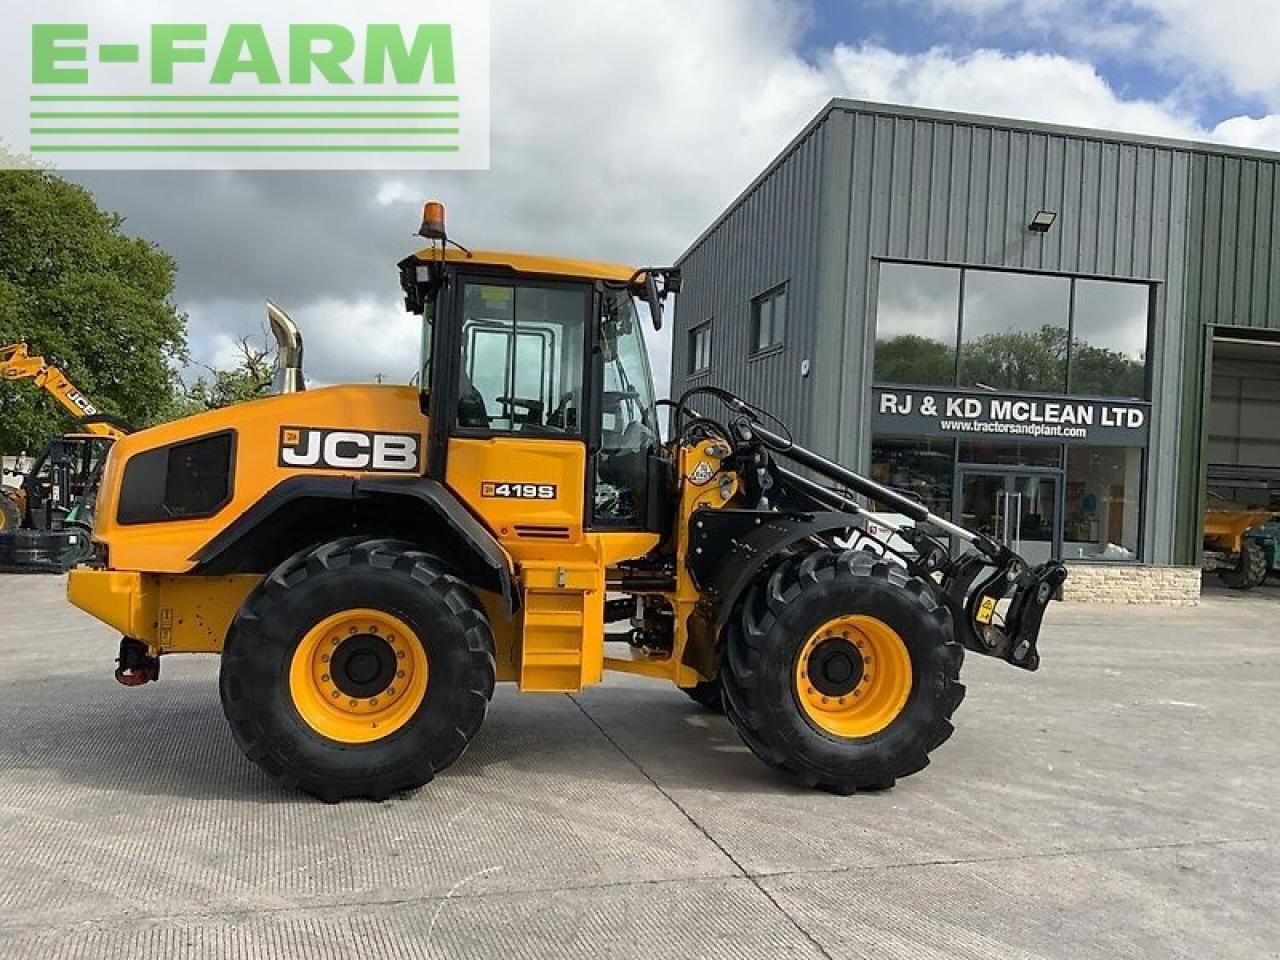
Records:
x=288, y=376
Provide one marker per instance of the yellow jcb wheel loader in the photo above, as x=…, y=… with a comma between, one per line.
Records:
x=370, y=560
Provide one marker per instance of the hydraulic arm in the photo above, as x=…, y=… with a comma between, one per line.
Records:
x=16, y=363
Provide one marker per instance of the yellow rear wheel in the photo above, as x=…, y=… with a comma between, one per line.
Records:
x=853, y=676
x=358, y=675
x=360, y=668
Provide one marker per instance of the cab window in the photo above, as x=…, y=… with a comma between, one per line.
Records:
x=522, y=358
x=628, y=423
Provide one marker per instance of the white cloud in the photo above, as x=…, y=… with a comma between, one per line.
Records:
x=1028, y=86
x=1232, y=42
x=1231, y=39
x=1260, y=132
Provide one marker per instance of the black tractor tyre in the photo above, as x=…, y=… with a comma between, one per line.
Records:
x=1251, y=571
x=387, y=576
x=707, y=694
x=768, y=632
x=10, y=515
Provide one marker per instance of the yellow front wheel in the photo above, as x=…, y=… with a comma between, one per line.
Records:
x=841, y=670
x=360, y=669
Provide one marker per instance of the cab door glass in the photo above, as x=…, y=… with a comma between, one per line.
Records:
x=628, y=423
x=522, y=358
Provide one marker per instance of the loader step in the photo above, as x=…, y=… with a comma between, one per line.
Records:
x=562, y=615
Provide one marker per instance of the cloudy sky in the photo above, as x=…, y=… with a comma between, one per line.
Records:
x=620, y=128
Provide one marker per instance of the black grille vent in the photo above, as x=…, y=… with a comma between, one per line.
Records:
x=184, y=481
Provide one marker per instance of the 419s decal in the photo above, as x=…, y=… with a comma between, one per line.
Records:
x=518, y=491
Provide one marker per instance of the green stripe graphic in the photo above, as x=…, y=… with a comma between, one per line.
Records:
x=238, y=115
x=262, y=98
x=118, y=53
x=169, y=131
x=243, y=148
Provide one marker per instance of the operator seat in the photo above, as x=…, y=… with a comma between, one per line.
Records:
x=472, y=411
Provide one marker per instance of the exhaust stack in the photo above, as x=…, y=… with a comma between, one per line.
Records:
x=288, y=376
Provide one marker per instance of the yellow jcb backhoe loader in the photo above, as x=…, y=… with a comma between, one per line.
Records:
x=369, y=560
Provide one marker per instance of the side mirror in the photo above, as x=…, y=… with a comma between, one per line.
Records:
x=654, y=298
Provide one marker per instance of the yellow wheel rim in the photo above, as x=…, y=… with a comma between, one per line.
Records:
x=853, y=676
x=358, y=676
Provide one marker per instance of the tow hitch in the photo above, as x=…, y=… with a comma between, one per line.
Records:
x=135, y=666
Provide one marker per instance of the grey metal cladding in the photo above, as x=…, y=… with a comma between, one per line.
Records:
x=1235, y=242
x=769, y=237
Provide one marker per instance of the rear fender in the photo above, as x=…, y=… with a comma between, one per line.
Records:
x=302, y=512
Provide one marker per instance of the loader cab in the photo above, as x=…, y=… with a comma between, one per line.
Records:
x=537, y=385
x=62, y=479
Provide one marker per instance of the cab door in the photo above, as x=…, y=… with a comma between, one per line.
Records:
x=517, y=448
x=516, y=454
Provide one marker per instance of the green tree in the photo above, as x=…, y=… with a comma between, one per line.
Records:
x=914, y=359
x=87, y=297
x=249, y=379
x=1017, y=360
x=1097, y=371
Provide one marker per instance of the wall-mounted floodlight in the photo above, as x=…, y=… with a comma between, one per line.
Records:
x=1042, y=221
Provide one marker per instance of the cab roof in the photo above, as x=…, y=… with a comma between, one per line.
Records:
x=532, y=263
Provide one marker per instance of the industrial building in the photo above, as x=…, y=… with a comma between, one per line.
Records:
x=1063, y=337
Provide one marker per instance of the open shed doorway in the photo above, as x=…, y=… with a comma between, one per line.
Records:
x=1244, y=423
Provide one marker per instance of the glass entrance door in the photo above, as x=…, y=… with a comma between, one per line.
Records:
x=1018, y=509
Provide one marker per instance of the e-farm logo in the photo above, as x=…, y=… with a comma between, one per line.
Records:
x=290, y=85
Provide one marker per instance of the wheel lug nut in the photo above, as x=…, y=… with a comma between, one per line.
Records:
x=351, y=631
x=351, y=703
x=399, y=674
x=824, y=700
x=324, y=657
x=324, y=678
x=373, y=702
x=400, y=654
x=336, y=694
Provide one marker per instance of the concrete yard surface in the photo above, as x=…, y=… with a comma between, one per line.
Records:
x=1121, y=802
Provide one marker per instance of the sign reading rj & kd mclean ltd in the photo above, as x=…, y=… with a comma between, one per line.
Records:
x=911, y=411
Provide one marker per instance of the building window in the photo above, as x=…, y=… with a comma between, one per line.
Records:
x=919, y=308
x=1012, y=331
x=700, y=348
x=769, y=318
x=1103, y=503
x=1109, y=339
x=921, y=468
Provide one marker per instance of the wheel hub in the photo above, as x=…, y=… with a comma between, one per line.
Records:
x=835, y=667
x=363, y=666
x=853, y=676
x=358, y=675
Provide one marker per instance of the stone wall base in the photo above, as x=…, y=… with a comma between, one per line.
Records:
x=1132, y=583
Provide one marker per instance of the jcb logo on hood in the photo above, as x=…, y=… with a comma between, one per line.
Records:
x=327, y=449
